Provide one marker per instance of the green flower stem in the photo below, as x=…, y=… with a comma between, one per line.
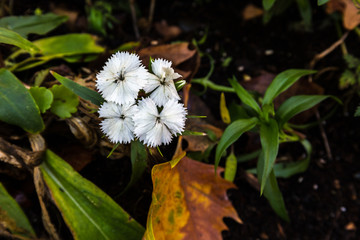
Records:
x=209, y=84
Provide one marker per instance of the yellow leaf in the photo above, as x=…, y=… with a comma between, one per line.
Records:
x=188, y=202
x=225, y=116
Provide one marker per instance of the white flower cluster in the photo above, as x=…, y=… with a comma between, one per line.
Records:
x=155, y=119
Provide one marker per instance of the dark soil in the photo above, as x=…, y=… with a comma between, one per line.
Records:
x=322, y=202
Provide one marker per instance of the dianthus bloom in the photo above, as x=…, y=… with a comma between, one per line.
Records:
x=154, y=128
x=161, y=83
x=118, y=124
x=121, y=78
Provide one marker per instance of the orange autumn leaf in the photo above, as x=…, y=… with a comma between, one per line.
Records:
x=189, y=202
x=350, y=11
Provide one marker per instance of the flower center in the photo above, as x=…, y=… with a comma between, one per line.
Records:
x=121, y=77
x=158, y=120
x=162, y=79
x=122, y=116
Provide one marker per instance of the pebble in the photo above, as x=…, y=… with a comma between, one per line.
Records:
x=269, y=52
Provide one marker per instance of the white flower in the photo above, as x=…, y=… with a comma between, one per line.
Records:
x=161, y=83
x=118, y=125
x=121, y=78
x=154, y=128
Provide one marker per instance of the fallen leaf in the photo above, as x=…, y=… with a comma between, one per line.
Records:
x=185, y=59
x=168, y=32
x=350, y=11
x=251, y=11
x=189, y=202
x=350, y=226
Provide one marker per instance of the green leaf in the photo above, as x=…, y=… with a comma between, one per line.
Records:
x=286, y=170
x=282, y=82
x=17, y=105
x=138, y=162
x=275, y=198
x=237, y=111
x=231, y=134
x=88, y=211
x=347, y=78
x=68, y=45
x=295, y=105
x=65, y=101
x=230, y=167
x=352, y=61
x=79, y=90
x=10, y=37
x=305, y=9
x=322, y=2
x=13, y=218
x=38, y=24
x=357, y=113
x=244, y=96
x=43, y=97
x=267, y=4
x=128, y=46
x=269, y=137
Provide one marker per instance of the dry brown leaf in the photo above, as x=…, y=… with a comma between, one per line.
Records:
x=168, y=32
x=350, y=226
x=351, y=16
x=189, y=202
x=185, y=59
x=251, y=11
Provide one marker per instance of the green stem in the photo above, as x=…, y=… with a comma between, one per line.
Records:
x=209, y=84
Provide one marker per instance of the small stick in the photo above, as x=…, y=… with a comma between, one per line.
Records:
x=323, y=135
x=151, y=14
x=327, y=51
x=133, y=14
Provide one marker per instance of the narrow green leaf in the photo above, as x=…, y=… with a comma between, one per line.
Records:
x=286, y=170
x=275, y=198
x=38, y=24
x=10, y=37
x=43, y=97
x=269, y=137
x=322, y=2
x=267, y=4
x=88, y=211
x=17, y=105
x=230, y=167
x=282, y=82
x=193, y=133
x=13, y=218
x=79, y=90
x=138, y=162
x=244, y=96
x=357, y=113
x=295, y=105
x=65, y=101
x=231, y=134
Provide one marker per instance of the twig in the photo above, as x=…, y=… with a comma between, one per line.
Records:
x=133, y=14
x=151, y=14
x=323, y=135
x=328, y=50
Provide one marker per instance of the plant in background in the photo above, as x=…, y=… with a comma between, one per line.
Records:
x=351, y=76
x=273, y=129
